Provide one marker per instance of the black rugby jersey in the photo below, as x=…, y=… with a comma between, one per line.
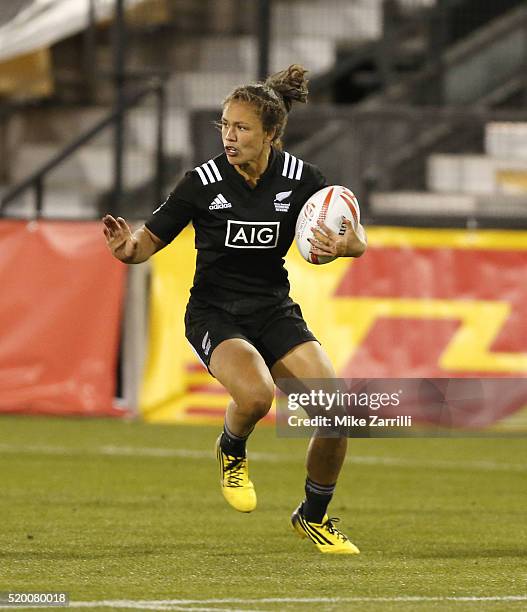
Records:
x=242, y=234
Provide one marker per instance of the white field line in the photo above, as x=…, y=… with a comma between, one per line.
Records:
x=182, y=453
x=189, y=604
x=137, y=605
x=152, y=605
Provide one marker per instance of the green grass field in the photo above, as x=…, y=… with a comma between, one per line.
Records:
x=122, y=515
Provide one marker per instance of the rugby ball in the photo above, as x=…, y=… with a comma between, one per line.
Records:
x=328, y=205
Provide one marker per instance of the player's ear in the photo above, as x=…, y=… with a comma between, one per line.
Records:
x=270, y=136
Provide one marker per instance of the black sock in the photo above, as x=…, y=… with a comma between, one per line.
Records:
x=231, y=444
x=317, y=500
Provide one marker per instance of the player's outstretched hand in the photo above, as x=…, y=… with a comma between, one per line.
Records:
x=119, y=238
x=327, y=242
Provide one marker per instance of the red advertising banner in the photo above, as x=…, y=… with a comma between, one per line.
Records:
x=60, y=317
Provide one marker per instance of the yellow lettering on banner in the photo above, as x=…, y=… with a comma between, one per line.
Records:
x=469, y=348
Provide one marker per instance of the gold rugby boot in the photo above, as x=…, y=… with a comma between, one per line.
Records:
x=236, y=487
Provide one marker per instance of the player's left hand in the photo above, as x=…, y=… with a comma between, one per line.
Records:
x=327, y=242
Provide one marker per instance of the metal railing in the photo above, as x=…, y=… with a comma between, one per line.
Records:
x=37, y=180
x=386, y=149
x=494, y=32
x=462, y=73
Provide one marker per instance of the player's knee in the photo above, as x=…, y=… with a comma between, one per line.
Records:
x=260, y=406
x=257, y=400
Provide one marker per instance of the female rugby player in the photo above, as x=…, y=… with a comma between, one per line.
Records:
x=240, y=319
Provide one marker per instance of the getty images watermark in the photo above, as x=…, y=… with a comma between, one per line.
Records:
x=331, y=403
x=399, y=407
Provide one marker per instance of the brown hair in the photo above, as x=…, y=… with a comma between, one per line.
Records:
x=274, y=97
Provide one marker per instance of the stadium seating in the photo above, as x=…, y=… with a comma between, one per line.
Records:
x=465, y=184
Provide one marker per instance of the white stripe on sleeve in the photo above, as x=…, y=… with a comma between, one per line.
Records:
x=286, y=163
x=292, y=167
x=202, y=176
x=215, y=169
x=209, y=173
x=299, y=169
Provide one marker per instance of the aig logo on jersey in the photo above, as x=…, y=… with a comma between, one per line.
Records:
x=252, y=234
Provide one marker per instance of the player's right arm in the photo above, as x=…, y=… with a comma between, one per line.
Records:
x=164, y=224
x=128, y=247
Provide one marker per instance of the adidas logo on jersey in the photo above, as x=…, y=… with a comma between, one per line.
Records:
x=219, y=202
x=279, y=204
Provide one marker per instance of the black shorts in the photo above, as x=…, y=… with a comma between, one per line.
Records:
x=272, y=331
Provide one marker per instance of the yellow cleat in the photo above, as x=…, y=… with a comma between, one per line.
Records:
x=326, y=537
x=236, y=487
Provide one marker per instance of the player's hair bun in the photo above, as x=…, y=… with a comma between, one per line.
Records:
x=290, y=84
